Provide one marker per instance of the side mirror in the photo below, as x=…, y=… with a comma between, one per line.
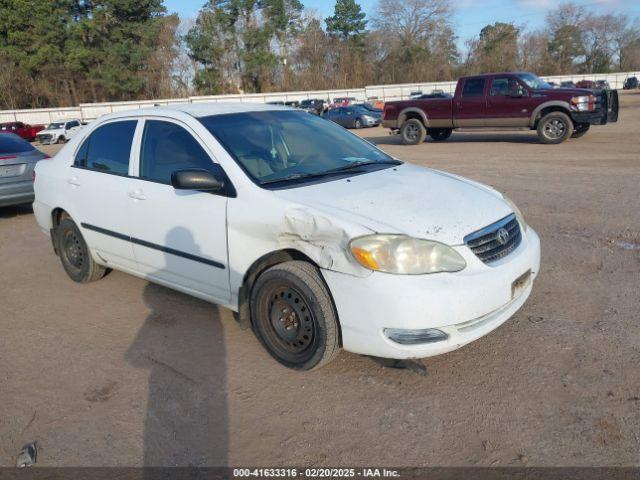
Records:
x=198, y=179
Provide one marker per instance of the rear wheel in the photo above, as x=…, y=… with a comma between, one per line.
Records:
x=580, y=129
x=293, y=316
x=75, y=255
x=554, y=128
x=413, y=132
x=439, y=134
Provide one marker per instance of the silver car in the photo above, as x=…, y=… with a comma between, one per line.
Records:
x=17, y=159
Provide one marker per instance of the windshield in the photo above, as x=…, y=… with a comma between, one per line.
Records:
x=533, y=81
x=292, y=147
x=55, y=126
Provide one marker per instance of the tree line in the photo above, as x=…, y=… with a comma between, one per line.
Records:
x=65, y=52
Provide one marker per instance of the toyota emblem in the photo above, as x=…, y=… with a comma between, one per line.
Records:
x=502, y=236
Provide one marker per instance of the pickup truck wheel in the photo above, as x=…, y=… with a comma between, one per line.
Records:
x=413, y=132
x=75, y=255
x=580, y=130
x=61, y=140
x=293, y=316
x=555, y=127
x=439, y=134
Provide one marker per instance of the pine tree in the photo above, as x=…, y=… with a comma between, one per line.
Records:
x=348, y=21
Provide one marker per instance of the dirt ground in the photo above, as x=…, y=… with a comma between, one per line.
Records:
x=125, y=373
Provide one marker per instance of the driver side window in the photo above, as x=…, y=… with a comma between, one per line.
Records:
x=167, y=147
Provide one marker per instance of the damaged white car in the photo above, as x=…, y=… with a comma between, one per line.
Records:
x=316, y=238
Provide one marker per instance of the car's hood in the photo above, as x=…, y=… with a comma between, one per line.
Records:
x=407, y=199
x=51, y=130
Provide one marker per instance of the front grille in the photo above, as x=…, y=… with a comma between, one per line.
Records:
x=45, y=137
x=491, y=243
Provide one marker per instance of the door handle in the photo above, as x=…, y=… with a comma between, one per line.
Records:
x=137, y=195
x=73, y=181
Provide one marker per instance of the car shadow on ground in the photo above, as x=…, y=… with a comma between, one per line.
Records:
x=16, y=211
x=466, y=137
x=181, y=343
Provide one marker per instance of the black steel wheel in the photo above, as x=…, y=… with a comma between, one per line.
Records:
x=293, y=316
x=580, y=130
x=439, y=134
x=75, y=255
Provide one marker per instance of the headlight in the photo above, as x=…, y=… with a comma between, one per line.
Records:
x=584, y=103
x=405, y=255
x=517, y=211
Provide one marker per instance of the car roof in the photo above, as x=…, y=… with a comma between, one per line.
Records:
x=198, y=110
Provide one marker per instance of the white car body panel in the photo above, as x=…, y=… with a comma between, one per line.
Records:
x=317, y=220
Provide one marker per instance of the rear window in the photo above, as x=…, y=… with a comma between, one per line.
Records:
x=473, y=87
x=10, y=143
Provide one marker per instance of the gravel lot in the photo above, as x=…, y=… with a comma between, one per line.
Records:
x=123, y=372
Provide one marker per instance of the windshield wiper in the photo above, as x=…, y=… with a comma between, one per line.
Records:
x=333, y=171
x=356, y=165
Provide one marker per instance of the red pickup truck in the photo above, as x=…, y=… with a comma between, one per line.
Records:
x=28, y=132
x=503, y=101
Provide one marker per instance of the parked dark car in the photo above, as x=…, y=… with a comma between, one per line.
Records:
x=602, y=85
x=17, y=159
x=588, y=84
x=353, y=116
x=630, y=83
x=517, y=100
x=316, y=106
x=567, y=84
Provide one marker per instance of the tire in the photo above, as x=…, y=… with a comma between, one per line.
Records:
x=75, y=255
x=293, y=316
x=580, y=130
x=554, y=128
x=413, y=132
x=61, y=140
x=439, y=134
x=357, y=124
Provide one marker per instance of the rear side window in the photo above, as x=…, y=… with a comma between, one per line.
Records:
x=108, y=147
x=167, y=147
x=473, y=87
x=10, y=143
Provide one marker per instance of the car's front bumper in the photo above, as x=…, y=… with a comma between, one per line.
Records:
x=16, y=193
x=466, y=305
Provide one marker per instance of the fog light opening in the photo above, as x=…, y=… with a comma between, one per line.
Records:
x=415, y=337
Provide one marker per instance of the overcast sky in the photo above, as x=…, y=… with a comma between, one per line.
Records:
x=470, y=17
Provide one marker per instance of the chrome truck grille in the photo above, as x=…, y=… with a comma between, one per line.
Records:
x=495, y=241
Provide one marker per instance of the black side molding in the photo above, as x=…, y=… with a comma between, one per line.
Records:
x=154, y=246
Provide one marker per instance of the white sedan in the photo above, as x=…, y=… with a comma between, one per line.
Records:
x=315, y=237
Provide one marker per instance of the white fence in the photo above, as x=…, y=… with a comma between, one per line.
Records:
x=91, y=111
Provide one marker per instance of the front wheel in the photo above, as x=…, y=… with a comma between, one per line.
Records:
x=60, y=140
x=293, y=316
x=413, y=132
x=439, y=134
x=75, y=255
x=580, y=130
x=554, y=128
x=358, y=123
